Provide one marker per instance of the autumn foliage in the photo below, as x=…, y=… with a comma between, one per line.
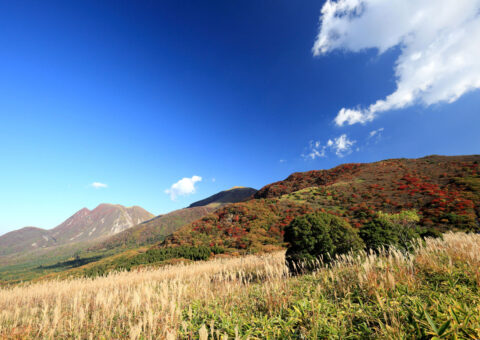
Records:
x=444, y=191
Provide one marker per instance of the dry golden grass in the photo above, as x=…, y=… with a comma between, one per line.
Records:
x=126, y=304
x=164, y=303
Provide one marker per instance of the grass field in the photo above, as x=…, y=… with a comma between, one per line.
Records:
x=433, y=292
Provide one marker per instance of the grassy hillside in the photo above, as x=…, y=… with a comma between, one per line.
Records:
x=41, y=262
x=444, y=191
x=432, y=292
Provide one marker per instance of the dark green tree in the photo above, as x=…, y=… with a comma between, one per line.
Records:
x=318, y=235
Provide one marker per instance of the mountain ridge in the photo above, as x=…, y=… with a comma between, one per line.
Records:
x=232, y=195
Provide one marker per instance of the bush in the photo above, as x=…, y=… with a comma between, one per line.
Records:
x=155, y=255
x=319, y=235
x=386, y=230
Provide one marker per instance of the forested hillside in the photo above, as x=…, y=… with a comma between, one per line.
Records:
x=445, y=191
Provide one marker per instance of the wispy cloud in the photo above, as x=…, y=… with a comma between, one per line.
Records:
x=183, y=187
x=98, y=185
x=315, y=150
x=341, y=146
x=376, y=132
x=439, y=42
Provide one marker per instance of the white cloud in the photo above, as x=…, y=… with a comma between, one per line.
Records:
x=352, y=116
x=282, y=161
x=377, y=132
x=439, y=42
x=98, y=185
x=185, y=186
x=341, y=146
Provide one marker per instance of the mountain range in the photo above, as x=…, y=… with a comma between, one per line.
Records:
x=85, y=225
x=105, y=230
x=443, y=190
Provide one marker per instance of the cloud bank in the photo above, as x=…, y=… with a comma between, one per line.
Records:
x=98, y=185
x=183, y=187
x=439, y=42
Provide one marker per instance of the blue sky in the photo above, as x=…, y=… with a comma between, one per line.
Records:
x=137, y=95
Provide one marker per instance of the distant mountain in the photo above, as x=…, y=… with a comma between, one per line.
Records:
x=21, y=239
x=84, y=225
x=156, y=229
x=235, y=194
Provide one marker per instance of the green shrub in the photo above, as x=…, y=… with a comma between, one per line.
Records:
x=318, y=235
x=398, y=230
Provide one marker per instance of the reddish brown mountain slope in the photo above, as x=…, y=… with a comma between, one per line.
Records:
x=104, y=220
x=444, y=190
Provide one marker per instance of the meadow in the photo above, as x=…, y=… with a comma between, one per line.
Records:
x=432, y=292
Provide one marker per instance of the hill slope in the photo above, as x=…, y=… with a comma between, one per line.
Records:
x=83, y=226
x=444, y=190
x=235, y=194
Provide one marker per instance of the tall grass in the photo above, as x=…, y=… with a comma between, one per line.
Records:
x=433, y=291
